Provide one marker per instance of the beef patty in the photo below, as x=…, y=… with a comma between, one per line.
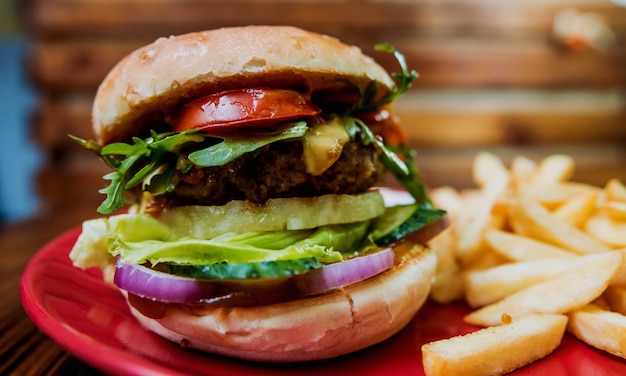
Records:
x=278, y=170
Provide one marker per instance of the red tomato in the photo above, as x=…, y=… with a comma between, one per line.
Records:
x=229, y=110
x=385, y=125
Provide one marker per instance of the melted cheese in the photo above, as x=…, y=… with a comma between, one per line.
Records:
x=323, y=145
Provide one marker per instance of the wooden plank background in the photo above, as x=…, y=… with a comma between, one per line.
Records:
x=492, y=77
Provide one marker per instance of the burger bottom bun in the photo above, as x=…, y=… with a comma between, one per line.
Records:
x=320, y=327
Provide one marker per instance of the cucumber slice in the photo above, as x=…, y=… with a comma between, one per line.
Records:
x=248, y=270
x=401, y=220
x=206, y=222
x=393, y=217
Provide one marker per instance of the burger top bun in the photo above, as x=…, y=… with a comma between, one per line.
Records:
x=319, y=327
x=152, y=81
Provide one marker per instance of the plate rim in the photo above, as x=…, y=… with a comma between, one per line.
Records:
x=75, y=342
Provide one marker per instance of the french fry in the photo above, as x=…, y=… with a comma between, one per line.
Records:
x=524, y=245
x=616, y=210
x=604, y=229
x=484, y=287
x=494, y=178
x=522, y=170
x=485, y=167
x=576, y=210
x=529, y=218
x=615, y=297
x=568, y=291
x=521, y=248
x=599, y=328
x=496, y=350
x=620, y=277
x=554, y=195
x=553, y=169
x=447, y=286
x=485, y=260
x=615, y=190
x=471, y=198
x=602, y=302
x=447, y=198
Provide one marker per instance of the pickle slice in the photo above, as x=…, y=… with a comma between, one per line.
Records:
x=205, y=222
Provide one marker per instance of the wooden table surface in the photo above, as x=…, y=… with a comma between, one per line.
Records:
x=24, y=349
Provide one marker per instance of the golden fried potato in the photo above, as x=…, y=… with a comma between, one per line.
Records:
x=599, y=328
x=496, y=350
x=563, y=293
x=606, y=230
x=487, y=286
x=529, y=218
x=522, y=248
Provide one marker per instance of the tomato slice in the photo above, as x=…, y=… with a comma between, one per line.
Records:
x=385, y=125
x=228, y=110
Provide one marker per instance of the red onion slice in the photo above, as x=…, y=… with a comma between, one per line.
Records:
x=155, y=285
x=164, y=287
x=344, y=273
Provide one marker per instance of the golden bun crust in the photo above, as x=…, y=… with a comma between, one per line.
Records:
x=319, y=327
x=154, y=80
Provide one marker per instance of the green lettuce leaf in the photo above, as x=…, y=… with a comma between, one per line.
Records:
x=138, y=238
x=234, y=147
x=327, y=244
x=212, y=251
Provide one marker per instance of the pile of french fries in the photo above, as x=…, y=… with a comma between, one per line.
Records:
x=533, y=254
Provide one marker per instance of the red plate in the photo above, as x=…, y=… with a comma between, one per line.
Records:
x=91, y=320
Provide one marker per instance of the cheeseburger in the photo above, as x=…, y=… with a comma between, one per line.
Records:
x=240, y=216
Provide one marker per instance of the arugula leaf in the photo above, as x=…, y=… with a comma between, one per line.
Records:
x=368, y=101
x=403, y=168
x=355, y=126
x=390, y=159
x=139, y=148
x=411, y=181
x=154, y=161
x=114, y=191
x=404, y=79
x=154, y=157
x=96, y=148
x=398, y=160
x=232, y=148
x=161, y=181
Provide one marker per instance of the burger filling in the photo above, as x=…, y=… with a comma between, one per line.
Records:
x=261, y=176
x=254, y=189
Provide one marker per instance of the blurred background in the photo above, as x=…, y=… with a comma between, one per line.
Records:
x=531, y=78
x=19, y=157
